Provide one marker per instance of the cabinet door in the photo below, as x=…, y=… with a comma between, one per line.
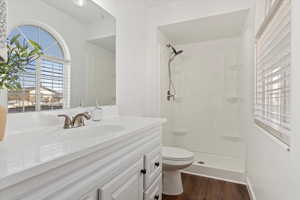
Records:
x=154, y=192
x=126, y=186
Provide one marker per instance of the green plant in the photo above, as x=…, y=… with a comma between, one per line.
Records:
x=18, y=57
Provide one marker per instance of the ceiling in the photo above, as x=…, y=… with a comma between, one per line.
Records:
x=88, y=14
x=208, y=28
x=108, y=43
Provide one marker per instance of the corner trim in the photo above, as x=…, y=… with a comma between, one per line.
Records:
x=250, y=189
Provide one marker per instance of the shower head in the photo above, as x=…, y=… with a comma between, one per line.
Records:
x=174, y=50
x=179, y=52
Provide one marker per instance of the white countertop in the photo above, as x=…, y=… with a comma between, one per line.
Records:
x=30, y=153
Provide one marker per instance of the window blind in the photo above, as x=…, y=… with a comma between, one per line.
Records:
x=51, y=85
x=273, y=72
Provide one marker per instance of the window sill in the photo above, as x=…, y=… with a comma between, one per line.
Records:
x=273, y=138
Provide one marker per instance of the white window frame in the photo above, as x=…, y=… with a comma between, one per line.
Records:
x=66, y=62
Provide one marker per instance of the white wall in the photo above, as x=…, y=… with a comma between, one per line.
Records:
x=75, y=36
x=205, y=116
x=102, y=29
x=101, y=76
x=268, y=162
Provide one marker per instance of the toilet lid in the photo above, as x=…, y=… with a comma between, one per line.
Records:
x=176, y=154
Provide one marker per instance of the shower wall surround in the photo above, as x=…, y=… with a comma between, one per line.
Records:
x=3, y=27
x=204, y=118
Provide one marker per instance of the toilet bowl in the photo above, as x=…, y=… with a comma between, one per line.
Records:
x=174, y=160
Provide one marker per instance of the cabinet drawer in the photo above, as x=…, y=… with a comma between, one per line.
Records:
x=153, y=166
x=154, y=192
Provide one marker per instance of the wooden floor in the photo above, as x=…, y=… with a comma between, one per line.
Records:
x=200, y=188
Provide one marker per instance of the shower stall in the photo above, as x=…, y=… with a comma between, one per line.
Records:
x=201, y=63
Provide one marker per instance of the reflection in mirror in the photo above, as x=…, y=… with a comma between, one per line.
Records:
x=77, y=67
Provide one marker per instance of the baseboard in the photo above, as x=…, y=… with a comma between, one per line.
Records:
x=250, y=189
x=214, y=177
x=219, y=174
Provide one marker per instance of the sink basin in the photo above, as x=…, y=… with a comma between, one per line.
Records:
x=92, y=131
x=57, y=135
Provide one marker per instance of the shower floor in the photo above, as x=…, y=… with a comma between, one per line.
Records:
x=220, y=167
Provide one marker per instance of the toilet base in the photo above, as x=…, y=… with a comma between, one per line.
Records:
x=172, y=183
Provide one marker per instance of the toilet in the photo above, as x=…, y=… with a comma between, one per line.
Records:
x=174, y=160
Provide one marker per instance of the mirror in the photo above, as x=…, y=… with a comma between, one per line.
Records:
x=77, y=67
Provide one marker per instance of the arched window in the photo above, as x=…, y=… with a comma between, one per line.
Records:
x=45, y=82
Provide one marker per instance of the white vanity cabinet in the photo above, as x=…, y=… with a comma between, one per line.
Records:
x=126, y=168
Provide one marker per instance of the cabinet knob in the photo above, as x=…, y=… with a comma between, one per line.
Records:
x=157, y=164
x=156, y=197
x=143, y=171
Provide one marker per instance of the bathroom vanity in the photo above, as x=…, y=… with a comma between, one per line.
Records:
x=118, y=158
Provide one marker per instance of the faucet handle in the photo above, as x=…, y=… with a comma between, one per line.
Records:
x=87, y=115
x=68, y=121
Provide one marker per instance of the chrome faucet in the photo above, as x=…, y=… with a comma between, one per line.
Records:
x=76, y=121
x=68, y=122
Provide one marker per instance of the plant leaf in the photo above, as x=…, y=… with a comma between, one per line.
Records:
x=35, y=45
x=14, y=39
